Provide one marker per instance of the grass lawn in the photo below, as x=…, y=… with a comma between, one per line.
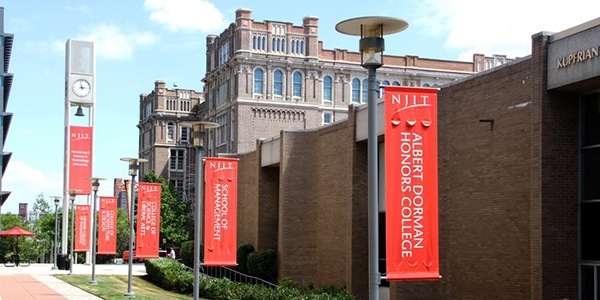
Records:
x=115, y=286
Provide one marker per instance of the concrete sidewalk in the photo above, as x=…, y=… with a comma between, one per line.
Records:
x=36, y=281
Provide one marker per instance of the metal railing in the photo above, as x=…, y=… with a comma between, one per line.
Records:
x=233, y=275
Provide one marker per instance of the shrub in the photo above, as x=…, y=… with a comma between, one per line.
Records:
x=263, y=264
x=170, y=275
x=186, y=253
x=242, y=257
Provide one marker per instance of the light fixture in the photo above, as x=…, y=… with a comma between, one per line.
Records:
x=371, y=31
x=72, y=194
x=198, y=132
x=95, y=185
x=79, y=112
x=56, y=201
x=133, y=169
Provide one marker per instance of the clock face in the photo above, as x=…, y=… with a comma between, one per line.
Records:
x=81, y=87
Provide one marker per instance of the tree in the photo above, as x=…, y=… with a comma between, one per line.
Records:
x=176, y=224
x=40, y=205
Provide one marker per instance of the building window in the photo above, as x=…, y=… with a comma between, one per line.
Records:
x=278, y=83
x=176, y=159
x=327, y=88
x=382, y=88
x=185, y=134
x=170, y=131
x=171, y=104
x=258, y=81
x=327, y=118
x=365, y=90
x=355, y=90
x=396, y=83
x=148, y=109
x=297, y=84
x=589, y=207
x=221, y=131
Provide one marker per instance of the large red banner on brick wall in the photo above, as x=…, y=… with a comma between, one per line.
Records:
x=220, y=217
x=411, y=180
x=107, y=225
x=82, y=230
x=148, y=220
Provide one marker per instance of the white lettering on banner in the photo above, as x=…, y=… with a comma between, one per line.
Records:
x=411, y=171
x=410, y=101
x=83, y=230
x=221, y=209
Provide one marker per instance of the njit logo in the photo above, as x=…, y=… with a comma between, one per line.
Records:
x=80, y=136
x=148, y=188
x=409, y=108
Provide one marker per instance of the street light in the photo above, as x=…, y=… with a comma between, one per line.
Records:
x=72, y=194
x=371, y=31
x=198, y=133
x=133, y=168
x=95, y=185
x=56, y=201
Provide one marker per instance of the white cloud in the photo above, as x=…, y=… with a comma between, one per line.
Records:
x=26, y=182
x=112, y=43
x=185, y=14
x=505, y=27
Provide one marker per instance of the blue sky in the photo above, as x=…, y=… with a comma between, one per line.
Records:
x=139, y=42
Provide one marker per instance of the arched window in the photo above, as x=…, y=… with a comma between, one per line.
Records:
x=396, y=83
x=297, y=84
x=278, y=83
x=327, y=88
x=170, y=131
x=254, y=44
x=382, y=90
x=258, y=81
x=355, y=90
x=365, y=90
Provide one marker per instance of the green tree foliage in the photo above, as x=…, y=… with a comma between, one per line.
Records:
x=176, y=223
x=122, y=231
x=8, y=244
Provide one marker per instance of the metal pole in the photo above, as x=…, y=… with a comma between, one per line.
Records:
x=198, y=221
x=72, y=256
x=374, y=276
x=55, y=267
x=94, y=221
x=131, y=235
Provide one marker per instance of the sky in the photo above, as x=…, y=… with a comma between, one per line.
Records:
x=138, y=42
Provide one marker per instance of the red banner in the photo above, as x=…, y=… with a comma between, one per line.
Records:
x=220, y=230
x=411, y=181
x=82, y=227
x=107, y=226
x=80, y=159
x=148, y=220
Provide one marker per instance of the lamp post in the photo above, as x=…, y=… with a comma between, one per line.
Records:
x=95, y=185
x=198, y=140
x=72, y=194
x=371, y=31
x=56, y=201
x=133, y=168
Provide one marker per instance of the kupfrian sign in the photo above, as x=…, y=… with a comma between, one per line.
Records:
x=411, y=180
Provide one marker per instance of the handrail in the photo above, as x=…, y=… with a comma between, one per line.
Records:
x=233, y=275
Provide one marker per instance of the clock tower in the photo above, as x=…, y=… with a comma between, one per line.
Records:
x=80, y=92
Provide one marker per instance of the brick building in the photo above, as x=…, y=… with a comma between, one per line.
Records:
x=167, y=145
x=262, y=77
x=519, y=166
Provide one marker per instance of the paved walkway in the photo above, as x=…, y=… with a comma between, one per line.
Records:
x=36, y=281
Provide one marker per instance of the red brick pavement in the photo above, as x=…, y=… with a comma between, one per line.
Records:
x=25, y=287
